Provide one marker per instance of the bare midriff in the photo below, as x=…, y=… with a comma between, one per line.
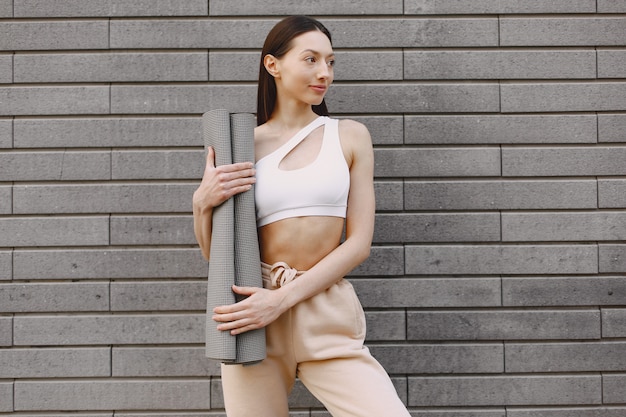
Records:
x=301, y=242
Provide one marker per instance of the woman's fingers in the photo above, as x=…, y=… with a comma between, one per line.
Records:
x=210, y=157
x=260, y=308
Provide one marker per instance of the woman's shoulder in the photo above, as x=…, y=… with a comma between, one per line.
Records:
x=354, y=131
x=355, y=140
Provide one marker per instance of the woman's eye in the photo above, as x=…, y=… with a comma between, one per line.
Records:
x=331, y=63
x=310, y=59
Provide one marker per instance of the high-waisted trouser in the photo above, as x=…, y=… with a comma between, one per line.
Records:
x=320, y=340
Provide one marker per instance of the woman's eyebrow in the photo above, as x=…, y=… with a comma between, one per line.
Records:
x=314, y=52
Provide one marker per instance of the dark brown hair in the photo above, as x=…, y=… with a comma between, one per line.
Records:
x=278, y=43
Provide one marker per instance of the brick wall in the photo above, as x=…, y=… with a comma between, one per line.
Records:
x=496, y=286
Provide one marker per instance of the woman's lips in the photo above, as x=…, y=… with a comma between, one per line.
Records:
x=319, y=88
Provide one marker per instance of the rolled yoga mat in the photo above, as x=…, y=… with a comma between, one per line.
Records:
x=235, y=257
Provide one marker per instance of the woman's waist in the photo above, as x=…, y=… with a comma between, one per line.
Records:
x=299, y=242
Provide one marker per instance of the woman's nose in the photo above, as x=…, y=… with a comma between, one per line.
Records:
x=324, y=70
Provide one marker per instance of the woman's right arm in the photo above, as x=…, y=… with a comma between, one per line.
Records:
x=218, y=184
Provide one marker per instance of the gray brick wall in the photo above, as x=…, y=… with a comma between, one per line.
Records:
x=496, y=286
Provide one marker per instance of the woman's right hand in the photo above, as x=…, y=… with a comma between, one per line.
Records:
x=220, y=183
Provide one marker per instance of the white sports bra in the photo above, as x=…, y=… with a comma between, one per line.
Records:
x=317, y=189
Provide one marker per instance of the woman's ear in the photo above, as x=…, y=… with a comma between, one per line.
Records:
x=271, y=65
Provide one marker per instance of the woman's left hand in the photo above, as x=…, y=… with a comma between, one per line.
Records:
x=260, y=308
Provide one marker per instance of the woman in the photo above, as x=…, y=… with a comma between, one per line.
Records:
x=313, y=176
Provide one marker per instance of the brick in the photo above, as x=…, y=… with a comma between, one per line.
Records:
x=563, y=161
x=440, y=359
x=54, y=231
x=611, y=193
x=388, y=325
x=459, y=412
x=505, y=390
x=436, y=162
x=6, y=331
x=6, y=396
x=112, y=394
x=428, y=292
x=567, y=226
x=103, y=198
x=565, y=357
x=55, y=363
x=568, y=412
x=6, y=69
x=6, y=265
x=389, y=195
x=499, y=7
x=413, y=33
x=350, y=65
x=501, y=129
x=108, y=263
x=52, y=35
x=6, y=8
x=611, y=63
x=494, y=259
x=109, y=329
x=178, y=414
x=611, y=6
x=6, y=133
x=158, y=296
x=152, y=230
x=35, y=166
x=108, y=132
x=455, y=65
x=383, y=261
x=234, y=66
x=500, y=195
x=611, y=128
x=111, y=67
x=489, y=129
x=557, y=97
x=506, y=324
x=612, y=258
x=613, y=322
x=182, y=98
x=563, y=291
x=316, y=7
x=170, y=164
x=563, y=31
x=438, y=227
x=108, y=8
x=162, y=362
x=347, y=33
x=65, y=415
x=614, y=388
x=6, y=199
x=413, y=98
x=28, y=100
x=189, y=33
x=385, y=129
x=53, y=297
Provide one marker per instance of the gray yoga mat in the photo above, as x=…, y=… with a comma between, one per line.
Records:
x=235, y=255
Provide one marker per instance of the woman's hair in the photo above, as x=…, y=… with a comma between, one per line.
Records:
x=278, y=43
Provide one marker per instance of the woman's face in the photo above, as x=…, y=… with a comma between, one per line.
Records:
x=306, y=71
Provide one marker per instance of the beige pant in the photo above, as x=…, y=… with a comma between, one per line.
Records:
x=320, y=341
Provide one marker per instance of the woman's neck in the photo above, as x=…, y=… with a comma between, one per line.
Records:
x=292, y=117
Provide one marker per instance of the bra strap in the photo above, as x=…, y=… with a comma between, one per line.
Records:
x=281, y=152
